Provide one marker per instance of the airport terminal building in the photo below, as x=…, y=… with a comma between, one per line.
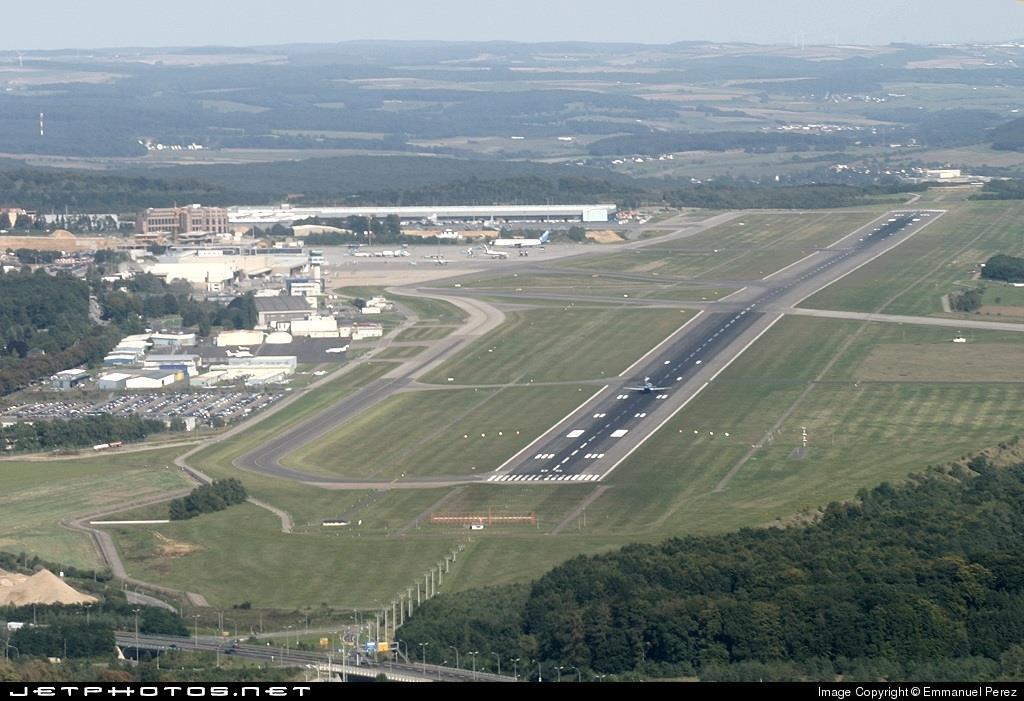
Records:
x=287, y=215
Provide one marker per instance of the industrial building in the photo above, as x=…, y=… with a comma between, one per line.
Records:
x=139, y=379
x=177, y=221
x=253, y=372
x=239, y=337
x=286, y=215
x=315, y=327
x=363, y=330
x=173, y=340
x=277, y=312
x=67, y=379
x=184, y=363
x=211, y=269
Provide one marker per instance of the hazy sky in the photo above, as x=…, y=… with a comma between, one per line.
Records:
x=49, y=24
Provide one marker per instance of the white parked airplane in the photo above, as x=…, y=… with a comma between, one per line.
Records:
x=523, y=243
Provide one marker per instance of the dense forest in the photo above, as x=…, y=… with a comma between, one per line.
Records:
x=49, y=316
x=82, y=191
x=1004, y=268
x=207, y=498
x=918, y=581
x=76, y=433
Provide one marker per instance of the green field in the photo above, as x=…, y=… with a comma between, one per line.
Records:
x=599, y=286
x=426, y=310
x=424, y=333
x=240, y=555
x=913, y=277
x=399, y=352
x=36, y=495
x=748, y=247
x=439, y=432
x=561, y=344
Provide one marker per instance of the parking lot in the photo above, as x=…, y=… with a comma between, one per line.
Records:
x=211, y=408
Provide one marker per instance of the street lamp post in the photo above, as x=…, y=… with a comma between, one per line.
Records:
x=579, y=675
x=515, y=668
x=136, y=612
x=456, y=656
x=498, y=655
x=423, y=652
x=195, y=617
x=558, y=672
x=474, y=654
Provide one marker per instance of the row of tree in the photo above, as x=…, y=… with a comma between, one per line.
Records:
x=904, y=581
x=76, y=433
x=207, y=498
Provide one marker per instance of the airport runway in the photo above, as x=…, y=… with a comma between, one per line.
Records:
x=587, y=445
x=592, y=441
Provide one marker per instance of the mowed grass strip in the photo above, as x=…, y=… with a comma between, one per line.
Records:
x=438, y=432
x=36, y=495
x=561, y=344
x=748, y=247
x=912, y=278
x=425, y=333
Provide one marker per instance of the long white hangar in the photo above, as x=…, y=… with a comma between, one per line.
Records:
x=286, y=215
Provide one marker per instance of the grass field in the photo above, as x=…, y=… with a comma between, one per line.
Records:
x=600, y=286
x=240, y=555
x=439, y=432
x=561, y=344
x=912, y=278
x=428, y=311
x=36, y=495
x=399, y=352
x=747, y=247
x=424, y=333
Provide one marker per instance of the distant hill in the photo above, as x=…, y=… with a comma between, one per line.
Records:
x=1009, y=136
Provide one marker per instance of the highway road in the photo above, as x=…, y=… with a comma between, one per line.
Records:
x=587, y=445
x=275, y=655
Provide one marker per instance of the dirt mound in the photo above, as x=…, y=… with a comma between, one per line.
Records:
x=62, y=234
x=173, y=548
x=44, y=587
x=604, y=237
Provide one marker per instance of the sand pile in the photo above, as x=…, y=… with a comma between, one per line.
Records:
x=44, y=587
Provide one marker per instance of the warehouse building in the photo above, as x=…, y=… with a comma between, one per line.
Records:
x=67, y=379
x=139, y=379
x=173, y=340
x=278, y=312
x=286, y=215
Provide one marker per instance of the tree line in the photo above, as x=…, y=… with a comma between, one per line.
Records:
x=920, y=580
x=24, y=437
x=207, y=498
